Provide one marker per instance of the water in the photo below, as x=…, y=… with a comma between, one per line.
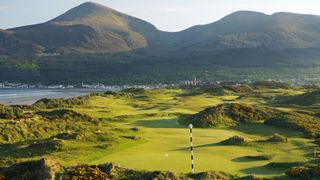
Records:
x=29, y=96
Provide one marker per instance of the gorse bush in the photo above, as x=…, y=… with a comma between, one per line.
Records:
x=230, y=115
x=235, y=140
x=111, y=171
x=307, y=99
x=303, y=172
x=64, y=114
x=10, y=112
x=86, y=172
x=239, y=88
x=37, y=169
x=60, y=102
x=310, y=125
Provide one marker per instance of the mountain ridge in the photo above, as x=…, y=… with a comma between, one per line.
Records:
x=94, y=28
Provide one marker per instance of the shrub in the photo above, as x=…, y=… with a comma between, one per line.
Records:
x=83, y=172
x=60, y=102
x=284, y=165
x=230, y=115
x=235, y=140
x=64, y=114
x=216, y=90
x=239, y=88
x=296, y=172
x=42, y=147
x=134, y=90
x=211, y=175
x=10, y=112
x=310, y=125
x=306, y=99
x=38, y=169
x=304, y=172
x=111, y=171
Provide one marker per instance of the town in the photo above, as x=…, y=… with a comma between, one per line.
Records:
x=194, y=82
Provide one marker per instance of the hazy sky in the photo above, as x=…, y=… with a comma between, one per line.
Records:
x=169, y=15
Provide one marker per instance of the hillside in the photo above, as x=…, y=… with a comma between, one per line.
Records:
x=10, y=44
x=307, y=99
x=247, y=30
x=93, y=28
x=89, y=28
x=94, y=43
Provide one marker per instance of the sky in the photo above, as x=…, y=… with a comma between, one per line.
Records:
x=167, y=15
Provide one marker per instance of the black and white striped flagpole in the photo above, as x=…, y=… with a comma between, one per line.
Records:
x=191, y=149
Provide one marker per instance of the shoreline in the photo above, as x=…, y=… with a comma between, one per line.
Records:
x=29, y=96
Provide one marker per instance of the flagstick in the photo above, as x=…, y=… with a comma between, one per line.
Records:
x=191, y=149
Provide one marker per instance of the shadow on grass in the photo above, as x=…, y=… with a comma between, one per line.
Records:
x=271, y=168
x=202, y=145
x=246, y=159
x=160, y=123
x=262, y=170
x=20, y=150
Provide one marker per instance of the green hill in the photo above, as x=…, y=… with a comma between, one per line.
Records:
x=230, y=115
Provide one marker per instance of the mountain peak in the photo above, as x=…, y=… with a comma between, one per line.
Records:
x=94, y=6
x=84, y=10
x=244, y=15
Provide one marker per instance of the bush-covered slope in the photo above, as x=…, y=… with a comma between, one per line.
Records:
x=60, y=103
x=230, y=115
x=310, y=125
x=10, y=112
x=307, y=99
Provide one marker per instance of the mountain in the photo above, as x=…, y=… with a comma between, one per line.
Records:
x=93, y=28
x=89, y=28
x=94, y=43
x=245, y=29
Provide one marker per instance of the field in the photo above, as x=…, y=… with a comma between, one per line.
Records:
x=163, y=143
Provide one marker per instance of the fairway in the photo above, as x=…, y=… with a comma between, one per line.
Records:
x=167, y=148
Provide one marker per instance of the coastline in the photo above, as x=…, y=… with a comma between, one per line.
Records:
x=30, y=96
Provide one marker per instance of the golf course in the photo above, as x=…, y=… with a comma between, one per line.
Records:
x=148, y=130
